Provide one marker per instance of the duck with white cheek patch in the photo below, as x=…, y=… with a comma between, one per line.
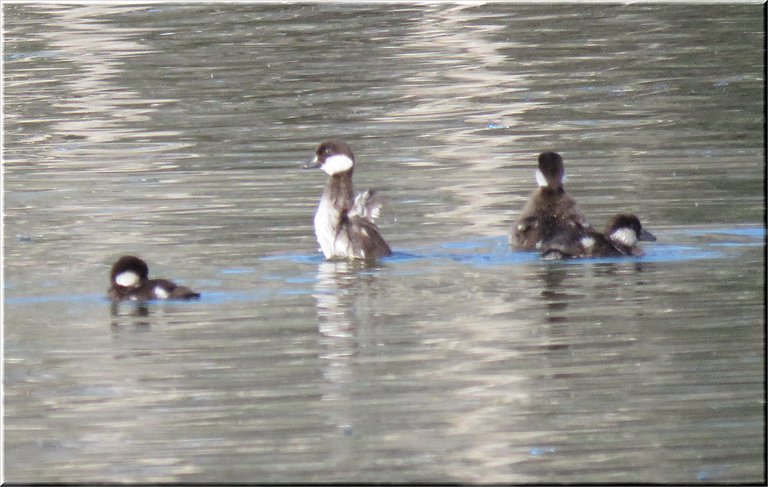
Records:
x=621, y=237
x=344, y=223
x=130, y=281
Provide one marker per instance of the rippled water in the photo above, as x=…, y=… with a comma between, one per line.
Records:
x=176, y=132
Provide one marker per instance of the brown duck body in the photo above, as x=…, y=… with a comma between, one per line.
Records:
x=550, y=210
x=129, y=278
x=620, y=238
x=547, y=213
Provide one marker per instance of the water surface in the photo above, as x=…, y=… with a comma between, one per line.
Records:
x=176, y=132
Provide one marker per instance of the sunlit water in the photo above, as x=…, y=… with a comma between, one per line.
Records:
x=177, y=132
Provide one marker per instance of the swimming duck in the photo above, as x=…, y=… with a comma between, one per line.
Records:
x=130, y=281
x=344, y=223
x=550, y=210
x=620, y=238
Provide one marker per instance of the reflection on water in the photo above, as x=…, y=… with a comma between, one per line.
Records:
x=98, y=50
x=176, y=132
x=336, y=290
x=137, y=310
x=337, y=295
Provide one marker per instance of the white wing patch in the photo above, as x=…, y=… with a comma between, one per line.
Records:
x=336, y=164
x=161, y=293
x=127, y=279
x=587, y=242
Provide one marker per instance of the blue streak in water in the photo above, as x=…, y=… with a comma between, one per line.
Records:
x=400, y=256
x=72, y=298
x=712, y=473
x=482, y=252
x=218, y=297
x=756, y=232
x=463, y=245
x=297, y=258
x=22, y=56
x=536, y=451
x=301, y=280
x=735, y=244
x=237, y=271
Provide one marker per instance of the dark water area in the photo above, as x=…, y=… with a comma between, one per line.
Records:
x=177, y=132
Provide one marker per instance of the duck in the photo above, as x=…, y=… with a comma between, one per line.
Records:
x=129, y=278
x=344, y=223
x=550, y=210
x=621, y=237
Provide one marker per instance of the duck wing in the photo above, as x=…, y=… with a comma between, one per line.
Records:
x=366, y=240
x=367, y=205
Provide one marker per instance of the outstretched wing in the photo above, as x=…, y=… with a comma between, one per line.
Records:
x=367, y=205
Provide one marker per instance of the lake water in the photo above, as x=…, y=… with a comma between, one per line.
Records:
x=176, y=132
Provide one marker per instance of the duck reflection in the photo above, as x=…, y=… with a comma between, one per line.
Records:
x=553, y=293
x=129, y=322
x=569, y=293
x=133, y=313
x=597, y=280
x=335, y=318
x=346, y=294
x=556, y=300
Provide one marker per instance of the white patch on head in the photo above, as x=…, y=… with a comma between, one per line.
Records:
x=540, y=179
x=625, y=236
x=127, y=279
x=161, y=293
x=337, y=163
x=587, y=242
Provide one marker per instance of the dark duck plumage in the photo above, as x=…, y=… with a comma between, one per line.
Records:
x=130, y=281
x=550, y=210
x=620, y=238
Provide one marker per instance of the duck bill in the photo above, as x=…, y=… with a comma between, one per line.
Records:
x=646, y=236
x=311, y=164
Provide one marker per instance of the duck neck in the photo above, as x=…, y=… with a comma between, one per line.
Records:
x=339, y=191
